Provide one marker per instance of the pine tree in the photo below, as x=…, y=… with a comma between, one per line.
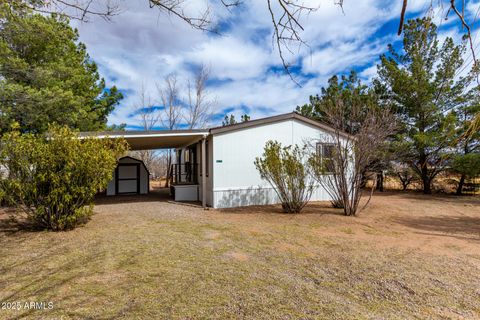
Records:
x=422, y=85
x=46, y=76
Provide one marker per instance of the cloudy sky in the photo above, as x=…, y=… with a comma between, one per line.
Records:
x=141, y=46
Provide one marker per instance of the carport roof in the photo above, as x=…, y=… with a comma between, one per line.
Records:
x=154, y=139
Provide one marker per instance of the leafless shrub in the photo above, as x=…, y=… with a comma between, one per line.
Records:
x=340, y=169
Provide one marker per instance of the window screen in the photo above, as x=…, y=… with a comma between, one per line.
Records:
x=326, y=152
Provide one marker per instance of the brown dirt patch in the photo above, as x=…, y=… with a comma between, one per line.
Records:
x=239, y=256
x=440, y=224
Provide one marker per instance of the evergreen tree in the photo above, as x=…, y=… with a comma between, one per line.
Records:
x=46, y=75
x=355, y=100
x=421, y=83
x=311, y=109
x=347, y=90
x=468, y=147
x=229, y=120
x=245, y=117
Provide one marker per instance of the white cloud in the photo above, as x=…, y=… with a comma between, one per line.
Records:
x=143, y=45
x=339, y=56
x=368, y=74
x=230, y=58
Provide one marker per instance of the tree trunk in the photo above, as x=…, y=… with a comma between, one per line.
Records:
x=169, y=164
x=460, y=185
x=380, y=181
x=424, y=175
x=462, y=178
x=364, y=180
x=427, y=189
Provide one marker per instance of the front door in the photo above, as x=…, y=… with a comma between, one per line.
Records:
x=127, y=178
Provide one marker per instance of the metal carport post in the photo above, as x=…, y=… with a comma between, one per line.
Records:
x=204, y=172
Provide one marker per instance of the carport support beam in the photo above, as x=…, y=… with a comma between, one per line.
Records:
x=204, y=173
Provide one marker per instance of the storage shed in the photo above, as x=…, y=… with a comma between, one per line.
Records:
x=131, y=176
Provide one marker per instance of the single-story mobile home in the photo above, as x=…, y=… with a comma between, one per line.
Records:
x=216, y=165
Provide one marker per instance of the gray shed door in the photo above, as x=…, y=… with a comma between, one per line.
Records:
x=128, y=178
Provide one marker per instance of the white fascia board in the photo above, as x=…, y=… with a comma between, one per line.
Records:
x=153, y=135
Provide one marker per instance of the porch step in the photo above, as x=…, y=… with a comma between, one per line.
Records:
x=185, y=192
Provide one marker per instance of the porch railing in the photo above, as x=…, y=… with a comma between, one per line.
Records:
x=184, y=173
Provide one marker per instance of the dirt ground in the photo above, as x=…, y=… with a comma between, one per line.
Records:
x=407, y=255
x=442, y=224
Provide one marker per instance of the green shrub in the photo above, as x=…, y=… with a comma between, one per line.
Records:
x=287, y=172
x=467, y=164
x=53, y=178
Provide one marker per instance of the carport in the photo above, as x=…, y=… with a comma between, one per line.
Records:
x=161, y=139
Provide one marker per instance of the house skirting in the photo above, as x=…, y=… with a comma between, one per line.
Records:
x=240, y=197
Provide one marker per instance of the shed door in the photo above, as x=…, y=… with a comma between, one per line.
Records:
x=128, y=178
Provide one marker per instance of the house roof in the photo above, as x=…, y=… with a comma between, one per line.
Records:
x=273, y=119
x=161, y=139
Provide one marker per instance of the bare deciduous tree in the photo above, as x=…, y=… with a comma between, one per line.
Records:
x=194, y=111
x=169, y=96
x=171, y=113
x=404, y=173
x=200, y=106
x=286, y=16
x=340, y=170
x=75, y=9
x=149, y=117
x=202, y=21
x=286, y=20
x=159, y=168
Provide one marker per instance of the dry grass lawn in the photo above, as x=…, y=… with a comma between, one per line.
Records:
x=406, y=256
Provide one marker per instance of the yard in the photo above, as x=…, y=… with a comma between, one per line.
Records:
x=406, y=256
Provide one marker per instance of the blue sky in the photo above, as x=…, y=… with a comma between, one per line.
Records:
x=141, y=46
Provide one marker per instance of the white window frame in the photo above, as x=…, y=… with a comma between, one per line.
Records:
x=320, y=152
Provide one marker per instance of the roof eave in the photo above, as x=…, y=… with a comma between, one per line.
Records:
x=282, y=117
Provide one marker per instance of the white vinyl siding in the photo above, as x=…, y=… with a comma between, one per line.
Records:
x=236, y=181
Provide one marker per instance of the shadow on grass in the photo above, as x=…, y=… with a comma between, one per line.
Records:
x=462, y=227
x=73, y=283
x=13, y=222
x=156, y=195
x=313, y=208
x=440, y=197
x=44, y=284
